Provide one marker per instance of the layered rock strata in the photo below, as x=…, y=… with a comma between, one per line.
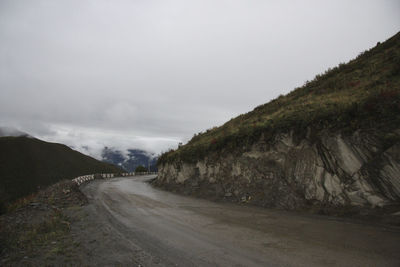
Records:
x=291, y=171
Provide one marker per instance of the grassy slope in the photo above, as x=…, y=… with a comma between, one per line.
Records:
x=363, y=93
x=26, y=163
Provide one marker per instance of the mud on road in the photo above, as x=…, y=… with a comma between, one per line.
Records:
x=165, y=229
x=129, y=223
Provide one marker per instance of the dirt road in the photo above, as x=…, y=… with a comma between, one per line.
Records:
x=170, y=230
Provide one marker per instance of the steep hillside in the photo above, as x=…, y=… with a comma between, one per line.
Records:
x=333, y=141
x=360, y=94
x=26, y=163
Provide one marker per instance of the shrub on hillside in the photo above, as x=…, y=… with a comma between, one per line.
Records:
x=140, y=168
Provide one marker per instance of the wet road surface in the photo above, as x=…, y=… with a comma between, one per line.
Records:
x=182, y=231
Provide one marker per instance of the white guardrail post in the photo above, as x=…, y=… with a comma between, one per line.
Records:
x=90, y=177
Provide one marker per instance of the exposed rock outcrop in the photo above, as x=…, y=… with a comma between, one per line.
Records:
x=292, y=171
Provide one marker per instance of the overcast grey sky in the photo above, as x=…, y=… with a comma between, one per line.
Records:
x=148, y=74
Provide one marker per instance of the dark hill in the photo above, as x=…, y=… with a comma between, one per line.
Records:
x=26, y=163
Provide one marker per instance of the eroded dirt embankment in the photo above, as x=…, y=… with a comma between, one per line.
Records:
x=324, y=172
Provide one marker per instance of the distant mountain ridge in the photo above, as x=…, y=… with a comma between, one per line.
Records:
x=27, y=163
x=131, y=159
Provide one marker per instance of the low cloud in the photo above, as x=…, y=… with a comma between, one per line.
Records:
x=93, y=141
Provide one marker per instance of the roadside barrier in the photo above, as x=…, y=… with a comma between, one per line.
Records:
x=90, y=177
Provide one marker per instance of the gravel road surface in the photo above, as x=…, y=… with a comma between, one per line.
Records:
x=150, y=227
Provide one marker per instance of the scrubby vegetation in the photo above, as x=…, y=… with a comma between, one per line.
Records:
x=28, y=163
x=36, y=231
x=141, y=168
x=361, y=94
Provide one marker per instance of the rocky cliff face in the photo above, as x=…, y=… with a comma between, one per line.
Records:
x=292, y=171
